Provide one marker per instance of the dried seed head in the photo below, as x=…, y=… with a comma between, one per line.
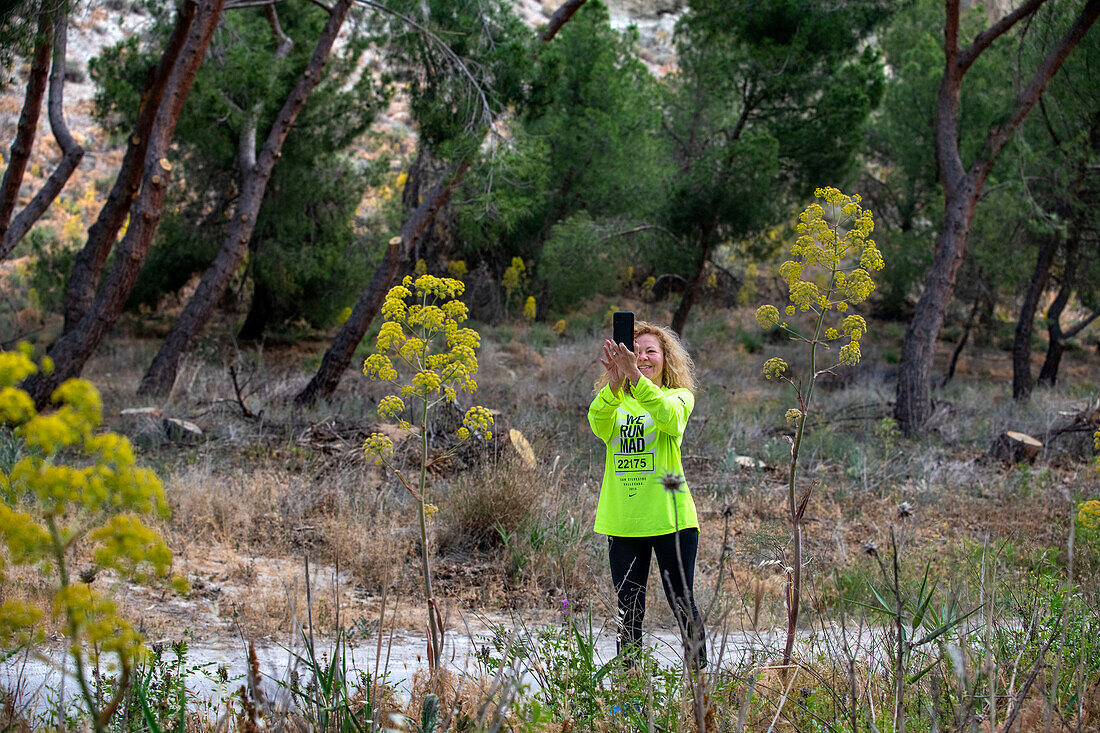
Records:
x=905, y=510
x=871, y=548
x=672, y=482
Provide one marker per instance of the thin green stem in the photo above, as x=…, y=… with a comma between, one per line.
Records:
x=434, y=632
x=899, y=672
x=73, y=627
x=794, y=597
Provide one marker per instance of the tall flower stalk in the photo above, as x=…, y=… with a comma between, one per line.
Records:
x=68, y=490
x=830, y=271
x=421, y=330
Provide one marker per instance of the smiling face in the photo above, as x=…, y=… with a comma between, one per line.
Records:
x=650, y=357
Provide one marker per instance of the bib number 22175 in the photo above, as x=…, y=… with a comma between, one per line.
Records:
x=634, y=463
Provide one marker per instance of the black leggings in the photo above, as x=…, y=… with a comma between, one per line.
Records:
x=629, y=558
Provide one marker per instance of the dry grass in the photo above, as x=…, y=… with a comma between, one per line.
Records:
x=489, y=504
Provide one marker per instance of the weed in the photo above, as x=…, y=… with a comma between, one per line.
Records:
x=489, y=504
x=750, y=342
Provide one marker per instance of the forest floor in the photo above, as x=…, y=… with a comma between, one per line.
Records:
x=267, y=488
x=260, y=492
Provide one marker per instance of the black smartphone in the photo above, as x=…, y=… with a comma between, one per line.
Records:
x=622, y=325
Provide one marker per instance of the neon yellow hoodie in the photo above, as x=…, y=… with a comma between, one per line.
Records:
x=642, y=434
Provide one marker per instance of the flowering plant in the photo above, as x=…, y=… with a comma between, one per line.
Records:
x=66, y=488
x=831, y=271
x=422, y=331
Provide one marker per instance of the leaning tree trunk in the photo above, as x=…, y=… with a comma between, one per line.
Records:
x=560, y=17
x=73, y=349
x=962, y=187
x=92, y=257
x=1022, y=383
x=255, y=174
x=23, y=144
x=71, y=152
x=693, y=285
x=338, y=356
x=954, y=363
x=914, y=400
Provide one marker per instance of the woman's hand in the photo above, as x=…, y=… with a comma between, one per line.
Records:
x=615, y=375
x=624, y=361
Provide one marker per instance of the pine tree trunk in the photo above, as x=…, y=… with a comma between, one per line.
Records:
x=560, y=17
x=914, y=401
x=21, y=147
x=255, y=323
x=1022, y=383
x=693, y=286
x=962, y=187
x=963, y=339
x=72, y=350
x=71, y=152
x=338, y=356
x=101, y=235
x=1056, y=344
x=255, y=174
x=1048, y=375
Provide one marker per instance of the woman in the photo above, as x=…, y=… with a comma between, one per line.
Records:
x=641, y=408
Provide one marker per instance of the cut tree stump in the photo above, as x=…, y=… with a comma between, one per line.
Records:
x=1013, y=447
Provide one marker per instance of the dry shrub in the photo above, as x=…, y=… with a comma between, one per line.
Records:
x=518, y=354
x=502, y=496
x=375, y=554
x=13, y=712
x=272, y=512
x=762, y=596
x=234, y=508
x=464, y=701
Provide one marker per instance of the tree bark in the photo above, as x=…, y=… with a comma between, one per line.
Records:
x=71, y=152
x=92, y=257
x=1056, y=339
x=338, y=356
x=73, y=349
x=962, y=188
x=691, y=289
x=1022, y=383
x=560, y=17
x=21, y=147
x=1056, y=344
x=964, y=338
x=254, y=176
x=255, y=323
x=1012, y=447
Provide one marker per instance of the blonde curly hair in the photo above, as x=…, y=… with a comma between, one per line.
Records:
x=678, y=371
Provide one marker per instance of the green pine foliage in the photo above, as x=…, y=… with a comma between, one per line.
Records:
x=584, y=158
x=901, y=144
x=306, y=262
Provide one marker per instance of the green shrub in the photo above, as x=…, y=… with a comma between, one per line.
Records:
x=575, y=264
x=751, y=342
x=53, y=261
